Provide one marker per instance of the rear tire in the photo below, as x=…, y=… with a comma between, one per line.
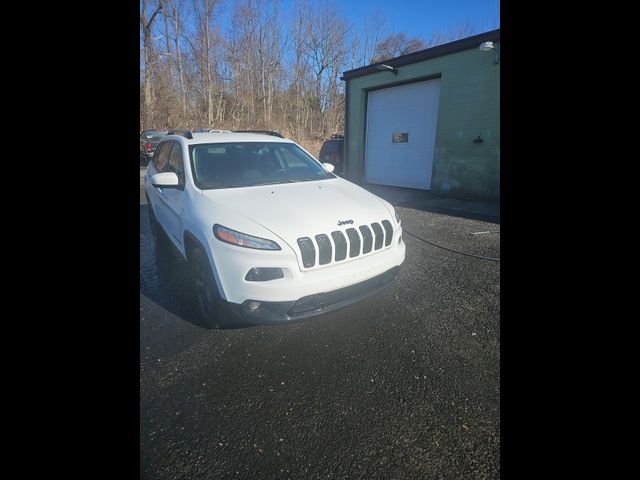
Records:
x=211, y=308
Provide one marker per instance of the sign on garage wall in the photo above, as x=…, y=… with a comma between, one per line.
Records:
x=400, y=137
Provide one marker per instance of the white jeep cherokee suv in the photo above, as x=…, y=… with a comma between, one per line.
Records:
x=268, y=232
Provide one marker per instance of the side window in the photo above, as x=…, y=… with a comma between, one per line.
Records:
x=162, y=156
x=175, y=162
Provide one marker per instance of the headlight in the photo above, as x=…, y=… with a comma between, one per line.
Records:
x=397, y=216
x=242, y=239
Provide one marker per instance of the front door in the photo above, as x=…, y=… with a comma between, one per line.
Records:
x=173, y=198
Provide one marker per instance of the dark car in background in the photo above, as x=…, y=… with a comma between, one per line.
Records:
x=331, y=152
x=185, y=132
x=149, y=140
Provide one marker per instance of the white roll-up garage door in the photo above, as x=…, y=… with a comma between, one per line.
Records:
x=401, y=134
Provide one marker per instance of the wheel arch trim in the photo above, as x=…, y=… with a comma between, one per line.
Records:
x=190, y=237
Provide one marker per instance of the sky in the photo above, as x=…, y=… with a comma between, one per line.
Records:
x=418, y=18
x=423, y=17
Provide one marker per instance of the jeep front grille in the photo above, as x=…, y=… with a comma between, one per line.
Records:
x=308, y=251
x=341, y=245
x=324, y=249
x=388, y=232
x=367, y=238
x=354, y=240
x=377, y=232
x=333, y=248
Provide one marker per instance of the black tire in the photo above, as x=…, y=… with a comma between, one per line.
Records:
x=211, y=308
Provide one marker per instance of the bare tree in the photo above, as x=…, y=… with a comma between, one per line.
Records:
x=146, y=22
x=271, y=69
x=397, y=44
x=174, y=21
x=204, y=12
x=324, y=48
x=458, y=31
x=297, y=115
x=374, y=29
x=255, y=55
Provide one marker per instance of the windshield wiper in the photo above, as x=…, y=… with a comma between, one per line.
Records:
x=282, y=180
x=310, y=179
x=223, y=185
x=268, y=183
x=288, y=180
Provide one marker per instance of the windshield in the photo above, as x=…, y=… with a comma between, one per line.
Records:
x=246, y=164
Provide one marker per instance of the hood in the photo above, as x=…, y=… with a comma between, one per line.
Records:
x=303, y=209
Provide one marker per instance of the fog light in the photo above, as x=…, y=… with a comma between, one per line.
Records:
x=263, y=274
x=253, y=306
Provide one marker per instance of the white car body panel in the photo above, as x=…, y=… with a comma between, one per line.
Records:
x=282, y=213
x=324, y=203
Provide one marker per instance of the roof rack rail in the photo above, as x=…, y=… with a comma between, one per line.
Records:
x=263, y=132
x=210, y=130
x=337, y=135
x=181, y=131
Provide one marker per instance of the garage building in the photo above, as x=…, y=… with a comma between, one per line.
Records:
x=428, y=120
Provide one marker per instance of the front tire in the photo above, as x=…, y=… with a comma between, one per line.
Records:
x=212, y=309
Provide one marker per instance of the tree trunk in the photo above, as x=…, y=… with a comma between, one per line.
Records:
x=147, y=52
x=177, y=30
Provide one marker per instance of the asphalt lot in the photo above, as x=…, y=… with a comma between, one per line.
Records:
x=404, y=385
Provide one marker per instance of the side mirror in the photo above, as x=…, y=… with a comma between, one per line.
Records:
x=328, y=167
x=165, y=179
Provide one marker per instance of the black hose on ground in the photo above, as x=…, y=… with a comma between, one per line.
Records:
x=450, y=249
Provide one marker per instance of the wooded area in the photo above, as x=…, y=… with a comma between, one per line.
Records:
x=263, y=68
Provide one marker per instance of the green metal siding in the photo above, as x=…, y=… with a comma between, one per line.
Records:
x=469, y=106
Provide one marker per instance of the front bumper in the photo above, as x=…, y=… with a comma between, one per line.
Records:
x=312, y=305
x=231, y=264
